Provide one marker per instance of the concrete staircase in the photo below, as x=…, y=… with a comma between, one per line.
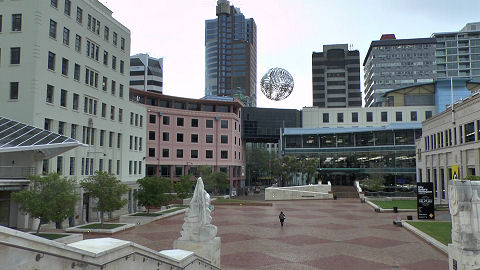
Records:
x=344, y=192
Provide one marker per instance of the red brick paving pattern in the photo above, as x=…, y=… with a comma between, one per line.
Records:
x=317, y=235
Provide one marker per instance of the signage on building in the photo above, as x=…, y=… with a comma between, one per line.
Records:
x=454, y=172
x=425, y=201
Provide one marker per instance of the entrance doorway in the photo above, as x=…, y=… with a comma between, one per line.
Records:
x=5, y=208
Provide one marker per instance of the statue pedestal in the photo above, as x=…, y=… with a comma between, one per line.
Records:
x=460, y=259
x=209, y=250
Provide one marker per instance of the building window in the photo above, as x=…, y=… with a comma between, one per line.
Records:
x=413, y=116
x=54, y=3
x=119, y=140
x=151, y=135
x=224, y=154
x=194, y=153
x=180, y=122
x=122, y=44
x=16, y=22
x=398, y=116
x=179, y=137
x=326, y=118
x=118, y=167
x=53, y=29
x=114, y=39
x=340, y=117
x=122, y=66
x=13, y=90
x=92, y=50
x=165, y=136
x=73, y=131
x=110, y=139
x=194, y=138
x=65, y=66
x=1, y=23
x=102, y=137
x=469, y=132
x=63, y=98
x=179, y=153
x=428, y=114
x=384, y=116
x=104, y=110
x=120, y=115
x=66, y=36
x=224, y=123
x=106, y=33
x=166, y=120
x=369, y=116
x=113, y=87
x=91, y=77
x=209, y=123
x=112, y=112
x=49, y=97
x=151, y=152
x=105, y=58
x=165, y=153
x=104, y=83
x=224, y=139
x=79, y=15
x=209, y=154
x=61, y=127
x=208, y=138
x=51, y=61
x=47, y=124
x=354, y=117
x=15, y=56
x=68, y=6
x=120, y=90
x=60, y=165
x=78, y=43
x=72, y=165
x=114, y=62
x=76, y=72
x=152, y=118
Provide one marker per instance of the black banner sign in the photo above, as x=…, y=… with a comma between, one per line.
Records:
x=425, y=201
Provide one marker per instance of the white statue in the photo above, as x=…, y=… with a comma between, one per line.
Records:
x=197, y=225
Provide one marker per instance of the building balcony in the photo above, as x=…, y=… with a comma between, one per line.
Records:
x=16, y=172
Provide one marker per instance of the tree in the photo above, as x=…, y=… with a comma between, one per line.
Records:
x=152, y=191
x=258, y=161
x=373, y=184
x=204, y=170
x=309, y=167
x=183, y=188
x=51, y=198
x=107, y=189
x=220, y=181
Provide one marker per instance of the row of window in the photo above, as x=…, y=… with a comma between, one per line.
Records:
x=165, y=170
x=16, y=23
x=467, y=133
x=90, y=104
x=369, y=116
x=193, y=138
x=136, y=119
x=136, y=143
x=87, y=166
x=194, y=122
x=93, y=24
x=193, y=153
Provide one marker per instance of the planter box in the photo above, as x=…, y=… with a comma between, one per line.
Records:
x=77, y=229
x=141, y=220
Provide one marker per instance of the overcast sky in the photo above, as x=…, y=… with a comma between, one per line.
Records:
x=288, y=31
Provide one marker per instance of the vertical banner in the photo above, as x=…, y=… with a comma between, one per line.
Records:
x=454, y=171
x=425, y=201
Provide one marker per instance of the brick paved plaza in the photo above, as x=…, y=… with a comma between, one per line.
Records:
x=328, y=235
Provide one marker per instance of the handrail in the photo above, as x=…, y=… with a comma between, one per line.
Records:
x=106, y=263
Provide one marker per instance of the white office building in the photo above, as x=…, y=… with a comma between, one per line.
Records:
x=146, y=73
x=64, y=67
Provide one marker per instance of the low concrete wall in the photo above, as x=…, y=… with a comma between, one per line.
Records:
x=308, y=192
x=141, y=220
x=20, y=250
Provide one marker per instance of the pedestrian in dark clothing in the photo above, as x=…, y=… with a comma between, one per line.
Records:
x=282, y=218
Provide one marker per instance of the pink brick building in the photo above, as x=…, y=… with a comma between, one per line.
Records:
x=183, y=133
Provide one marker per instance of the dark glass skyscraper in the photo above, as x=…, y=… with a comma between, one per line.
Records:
x=231, y=55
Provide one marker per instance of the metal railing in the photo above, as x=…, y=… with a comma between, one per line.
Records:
x=16, y=171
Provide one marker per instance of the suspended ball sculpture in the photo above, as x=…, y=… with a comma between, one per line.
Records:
x=277, y=84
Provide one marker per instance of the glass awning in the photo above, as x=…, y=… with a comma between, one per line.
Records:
x=16, y=136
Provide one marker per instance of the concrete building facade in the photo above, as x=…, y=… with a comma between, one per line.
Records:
x=450, y=139
x=457, y=54
x=336, y=77
x=146, y=73
x=231, y=55
x=392, y=63
x=184, y=133
x=64, y=68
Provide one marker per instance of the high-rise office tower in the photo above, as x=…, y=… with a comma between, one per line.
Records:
x=231, y=54
x=146, y=73
x=392, y=63
x=458, y=53
x=64, y=68
x=336, y=77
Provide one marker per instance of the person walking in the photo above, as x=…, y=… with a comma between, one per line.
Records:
x=282, y=218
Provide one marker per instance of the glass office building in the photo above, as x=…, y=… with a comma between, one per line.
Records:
x=348, y=154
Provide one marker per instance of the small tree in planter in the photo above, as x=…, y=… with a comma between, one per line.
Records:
x=152, y=191
x=183, y=188
x=51, y=198
x=107, y=189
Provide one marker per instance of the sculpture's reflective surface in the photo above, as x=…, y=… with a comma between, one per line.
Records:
x=277, y=84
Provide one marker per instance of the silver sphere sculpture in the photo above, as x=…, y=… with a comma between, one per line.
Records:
x=277, y=84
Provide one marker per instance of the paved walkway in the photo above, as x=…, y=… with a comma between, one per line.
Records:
x=327, y=235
